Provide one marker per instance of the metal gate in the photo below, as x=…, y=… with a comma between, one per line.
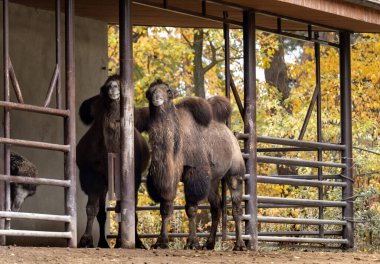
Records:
x=64, y=109
x=247, y=108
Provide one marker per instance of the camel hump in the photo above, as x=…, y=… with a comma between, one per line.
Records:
x=199, y=109
x=86, y=110
x=221, y=108
x=20, y=166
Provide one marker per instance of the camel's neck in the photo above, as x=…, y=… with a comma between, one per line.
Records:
x=112, y=111
x=111, y=126
x=165, y=139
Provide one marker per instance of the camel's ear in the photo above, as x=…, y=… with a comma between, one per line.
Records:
x=173, y=93
x=103, y=90
x=148, y=95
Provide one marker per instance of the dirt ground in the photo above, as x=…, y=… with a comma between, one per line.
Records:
x=12, y=255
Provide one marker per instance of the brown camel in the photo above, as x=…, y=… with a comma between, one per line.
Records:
x=103, y=137
x=191, y=143
x=20, y=166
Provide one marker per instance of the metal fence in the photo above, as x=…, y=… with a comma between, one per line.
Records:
x=247, y=109
x=64, y=109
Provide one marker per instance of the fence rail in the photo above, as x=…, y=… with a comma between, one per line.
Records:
x=36, y=181
x=33, y=216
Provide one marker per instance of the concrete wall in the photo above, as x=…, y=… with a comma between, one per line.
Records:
x=32, y=50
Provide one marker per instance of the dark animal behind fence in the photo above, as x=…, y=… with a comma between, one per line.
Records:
x=103, y=113
x=20, y=166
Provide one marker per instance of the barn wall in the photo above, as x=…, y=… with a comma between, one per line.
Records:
x=32, y=50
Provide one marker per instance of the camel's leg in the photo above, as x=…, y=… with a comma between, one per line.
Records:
x=216, y=207
x=102, y=218
x=235, y=184
x=166, y=210
x=92, y=209
x=192, y=240
x=117, y=211
x=138, y=242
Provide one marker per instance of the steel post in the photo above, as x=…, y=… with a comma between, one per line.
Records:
x=249, y=36
x=346, y=133
x=227, y=74
x=317, y=50
x=58, y=52
x=69, y=125
x=127, y=127
x=6, y=121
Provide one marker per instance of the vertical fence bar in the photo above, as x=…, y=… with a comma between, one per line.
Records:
x=2, y=205
x=7, y=120
x=6, y=87
x=227, y=83
x=58, y=52
x=346, y=133
x=69, y=124
x=249, y=36
x=317, y=50
x=127, y=128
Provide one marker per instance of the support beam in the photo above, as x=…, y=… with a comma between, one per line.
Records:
x=317, y=51
x=69, y=124
x=6, y=120
x=58, y=52
x=249, y=37
x=127, y=127
x=227, y=74
x=346, y=132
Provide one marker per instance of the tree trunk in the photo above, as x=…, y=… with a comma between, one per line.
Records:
x=199, y=78
x=277, y=75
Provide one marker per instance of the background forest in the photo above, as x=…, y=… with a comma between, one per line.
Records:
x=192, y=60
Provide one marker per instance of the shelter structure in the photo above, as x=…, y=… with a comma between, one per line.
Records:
x=291, y=18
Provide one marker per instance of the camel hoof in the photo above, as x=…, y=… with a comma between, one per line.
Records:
x=209, y=245
x=192, y=244
x=139, y=244
x=118, y=243
x=160, y=245
x=103, y=244
x=86, y=242
x=240, y=246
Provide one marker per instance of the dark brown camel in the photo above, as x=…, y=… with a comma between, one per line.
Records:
x=20, y=166
x=103, y=137
x=191, y=143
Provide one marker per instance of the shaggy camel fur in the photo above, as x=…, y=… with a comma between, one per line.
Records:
x=103, y=137
x=191, y=143
x=20, y=166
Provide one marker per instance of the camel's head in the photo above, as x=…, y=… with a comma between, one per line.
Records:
x=111, y=88
x=19, y=192
x=160, y=94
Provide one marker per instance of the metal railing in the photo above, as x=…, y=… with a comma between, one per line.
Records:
x=68, y=148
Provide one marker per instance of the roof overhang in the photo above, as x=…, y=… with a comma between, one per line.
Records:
x=351, y=15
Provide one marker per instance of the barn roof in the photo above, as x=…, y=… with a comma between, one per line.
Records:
x=352, y=15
